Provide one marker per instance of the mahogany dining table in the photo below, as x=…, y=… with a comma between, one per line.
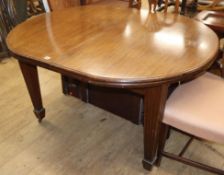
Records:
x=115, y=47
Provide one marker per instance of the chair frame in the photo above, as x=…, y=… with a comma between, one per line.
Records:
x=168, y=3
x=33, y=9
x=6, y=26
x=210, y=6
x=164, y=131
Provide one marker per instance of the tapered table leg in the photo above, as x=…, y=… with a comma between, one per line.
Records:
x=30, y=75
x=154, y=103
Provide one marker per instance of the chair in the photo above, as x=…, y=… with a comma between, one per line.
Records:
x=210, y=5
x=180, y=6
x=13, y=12
x=35, y=7
x=195, y=108
x=166, y=4
x=212, y=19
x=157, y=5
x=8, y=19
x=200, y=5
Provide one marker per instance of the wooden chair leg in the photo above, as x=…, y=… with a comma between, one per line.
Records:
x=177, y=4
x=193, y=163
x=179, y=157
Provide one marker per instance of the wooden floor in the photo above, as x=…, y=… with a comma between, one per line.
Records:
x=77, y=138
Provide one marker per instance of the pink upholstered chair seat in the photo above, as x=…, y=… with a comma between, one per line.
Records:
x=197, y=108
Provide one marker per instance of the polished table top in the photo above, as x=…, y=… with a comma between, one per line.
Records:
x=115, y=46
x=118, y=46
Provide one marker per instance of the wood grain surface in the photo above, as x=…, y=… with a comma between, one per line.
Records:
x=61, y=4
x=118, y=45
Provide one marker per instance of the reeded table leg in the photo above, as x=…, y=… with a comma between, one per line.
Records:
x=30, y=75
x=154, y=103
